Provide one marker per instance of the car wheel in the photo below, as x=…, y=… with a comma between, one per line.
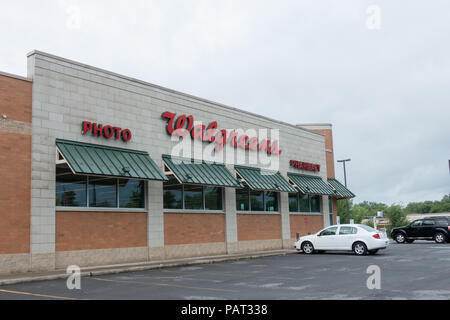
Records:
x=400, y=238
x=307, y=247
x=360, y=249
x=373, y=251
x=409, y=241
x=439, y=237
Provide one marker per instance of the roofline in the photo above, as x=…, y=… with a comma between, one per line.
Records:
x=316, y=126
x=37, y=52
x=10, y=75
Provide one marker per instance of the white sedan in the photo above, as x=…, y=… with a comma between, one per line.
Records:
x=359, y=238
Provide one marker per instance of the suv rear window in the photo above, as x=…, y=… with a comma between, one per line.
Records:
x=443, y=222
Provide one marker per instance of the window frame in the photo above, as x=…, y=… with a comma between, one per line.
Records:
x=310, y=212
x=116, y=208
x=222, y=194
x=250, y=211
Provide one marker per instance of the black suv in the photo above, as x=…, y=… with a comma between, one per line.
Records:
x=432, y=228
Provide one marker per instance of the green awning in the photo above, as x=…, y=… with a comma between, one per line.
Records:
x=190, y=171
x=310, y=184
x=93, y=159
x=342, y=191
x=259, y=179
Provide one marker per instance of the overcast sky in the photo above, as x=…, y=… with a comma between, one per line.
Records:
x=379, y=71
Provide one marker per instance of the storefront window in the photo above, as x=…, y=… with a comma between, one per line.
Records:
x=173, y=194
x=102, y=192
x=97, y=192
x=293, y=202
x=173, y=197
x=315, y=204
x=304, y=203
x=242, y=199
x=256, y=201
x=213, y=198
x=131, y=193
x=271, y=201
x=250, y=200
x=70, y=189
x=193, y=197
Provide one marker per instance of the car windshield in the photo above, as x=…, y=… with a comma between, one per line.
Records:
x=367, y=228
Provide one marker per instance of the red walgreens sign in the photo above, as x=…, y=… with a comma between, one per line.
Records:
x=107, y=131
x=184, y=125
x=304, y=165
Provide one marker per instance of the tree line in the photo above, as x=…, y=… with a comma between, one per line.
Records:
x=396, y=212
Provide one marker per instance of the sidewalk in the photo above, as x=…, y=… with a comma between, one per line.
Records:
x=6, y=279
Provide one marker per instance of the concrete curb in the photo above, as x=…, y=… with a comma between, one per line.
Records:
x=142, y=266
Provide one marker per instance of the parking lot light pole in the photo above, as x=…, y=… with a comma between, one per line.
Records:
x=345, y=182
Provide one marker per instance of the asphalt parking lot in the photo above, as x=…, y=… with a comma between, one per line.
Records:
x=410, y=271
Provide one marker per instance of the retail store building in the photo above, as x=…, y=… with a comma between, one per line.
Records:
x=98, y=168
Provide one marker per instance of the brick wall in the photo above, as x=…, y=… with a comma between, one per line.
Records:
x=258, y=226
x=100, y=230
x=15, y=98
x=189, y=228
x=15, y=165
x=329, y=155
x=305, y=223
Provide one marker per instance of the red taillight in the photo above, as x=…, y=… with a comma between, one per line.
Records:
x=448, y=228
x=376, y=236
